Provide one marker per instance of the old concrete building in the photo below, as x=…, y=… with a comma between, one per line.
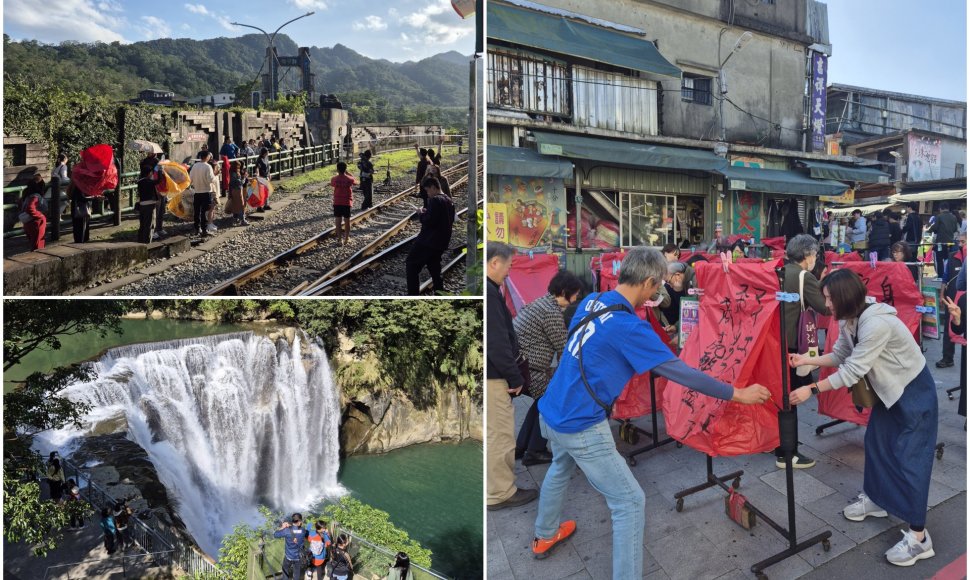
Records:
x=655, y=122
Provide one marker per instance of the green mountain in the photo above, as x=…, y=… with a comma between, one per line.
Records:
x=201, y=67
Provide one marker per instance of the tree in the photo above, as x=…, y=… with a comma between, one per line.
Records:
x=35, y=406
x=30, y=325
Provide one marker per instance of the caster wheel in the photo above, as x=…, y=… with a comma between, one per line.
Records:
x=633, y=436
x=736, y=483
x=680, y=445
x=680, y=505
x=949, y=396
x=826, y=545
x=818, y=430
x=631, y=462
x=939, y=453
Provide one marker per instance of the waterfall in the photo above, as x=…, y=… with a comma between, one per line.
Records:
x=229, y=421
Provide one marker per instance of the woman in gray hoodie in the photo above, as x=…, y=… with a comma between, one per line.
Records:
x=901, y=435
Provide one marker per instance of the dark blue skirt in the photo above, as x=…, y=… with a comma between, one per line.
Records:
x=900, y=444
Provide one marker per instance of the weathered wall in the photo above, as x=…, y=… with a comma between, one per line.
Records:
x=22, y=158
x=766, y=78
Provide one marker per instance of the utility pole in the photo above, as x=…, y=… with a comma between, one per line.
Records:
x=271, y=53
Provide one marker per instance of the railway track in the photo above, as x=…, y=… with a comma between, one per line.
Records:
x=318, y=258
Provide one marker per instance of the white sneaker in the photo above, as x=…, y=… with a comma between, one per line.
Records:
x=862, y=509
x=909, y=549
x=212, y=227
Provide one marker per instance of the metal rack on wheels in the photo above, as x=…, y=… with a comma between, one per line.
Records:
x=653, y=434
x=788, y=433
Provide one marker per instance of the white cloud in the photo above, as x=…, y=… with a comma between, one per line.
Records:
x=186, y=26
x=309, y=4
x=226, y=22
x=155, y=28
x=438, y=23
x=370, y=23
x=197, y=9
x=80, y=20
x=392, y=12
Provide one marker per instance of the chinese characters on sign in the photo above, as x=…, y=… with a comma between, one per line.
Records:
x=534, y=215
x=924, y=158
x=819, y=76
x=747, y=214
x=497, y=225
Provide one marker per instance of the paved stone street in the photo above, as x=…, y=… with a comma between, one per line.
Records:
x=702, y=543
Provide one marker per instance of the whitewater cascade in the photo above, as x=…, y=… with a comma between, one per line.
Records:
x=229, y=421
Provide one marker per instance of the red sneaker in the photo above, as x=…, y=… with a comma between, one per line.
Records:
x=542, y=548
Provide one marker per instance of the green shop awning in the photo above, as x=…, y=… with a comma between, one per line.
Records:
x=526, y=163
x=556, y=33
x=779, y=181
x=820, y=170
x=627, y=152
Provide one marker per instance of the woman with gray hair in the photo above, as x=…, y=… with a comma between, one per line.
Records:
x=801, y=254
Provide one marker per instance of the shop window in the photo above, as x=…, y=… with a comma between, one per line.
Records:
x=696, y=89
x=528, y=83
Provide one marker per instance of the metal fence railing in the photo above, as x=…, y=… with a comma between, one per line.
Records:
x=162, y=546
x=151, y=565
x=370, y=560
x=121, y=200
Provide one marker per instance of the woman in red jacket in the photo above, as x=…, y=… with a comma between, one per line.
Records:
x=34, y=220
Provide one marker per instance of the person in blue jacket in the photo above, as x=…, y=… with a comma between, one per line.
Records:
x=294, y=535
x=602, y=354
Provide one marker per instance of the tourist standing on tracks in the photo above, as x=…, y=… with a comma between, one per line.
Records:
x=437, y=222
x=343, y=197
x=419, y=173
x=434, y=170
x=32, y=212
x=366, y=180
x=236, y=204
x=204, y=186
x=148, y=198
x=262, y=170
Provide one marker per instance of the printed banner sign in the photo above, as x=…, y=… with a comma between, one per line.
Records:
x=931, y=320
x=746, y=218
x=689, y=318
x=923, y=162
x=737, y=341
x=892, y=284
x=536, y=215
x=496, y=226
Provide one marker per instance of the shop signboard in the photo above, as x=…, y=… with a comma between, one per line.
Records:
x=923, y=162
x=535, y=215
x=746, y=217
x=819, y=76
x=496, y=226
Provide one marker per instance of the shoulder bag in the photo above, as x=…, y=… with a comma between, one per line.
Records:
x=862, y=393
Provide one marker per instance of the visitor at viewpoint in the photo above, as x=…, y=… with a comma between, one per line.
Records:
x=503, y=380
x=32, y=216
x=205, y=187
x=401, y=570
x=343, y=198
x=319, y=544
x=293, y=534
x=900, y=439
x=262, y=170
x=573, y=413
x=342, y=566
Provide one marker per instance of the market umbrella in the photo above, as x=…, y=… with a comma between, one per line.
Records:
x=144, y=146
x=96, y=171
x=257, y=192
x=172, y=177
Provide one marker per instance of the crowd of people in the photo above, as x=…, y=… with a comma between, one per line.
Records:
x=541, y=353
x=317, y=554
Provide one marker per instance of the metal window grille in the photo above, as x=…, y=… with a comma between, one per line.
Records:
x=696, y=90
x=528, y=83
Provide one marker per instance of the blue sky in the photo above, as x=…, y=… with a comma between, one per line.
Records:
x=397, y=30
x=900, y=45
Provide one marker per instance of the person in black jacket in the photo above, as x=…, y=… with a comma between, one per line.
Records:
x=437, y=221
x=913, y=229
x=503, y=380
x=880, y=237
x=148, y=199
x=366, y=168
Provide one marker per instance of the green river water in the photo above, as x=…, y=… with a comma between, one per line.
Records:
x=432, y=491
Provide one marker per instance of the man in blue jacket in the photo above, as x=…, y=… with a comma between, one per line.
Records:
x=294, y=535
x=612, y=347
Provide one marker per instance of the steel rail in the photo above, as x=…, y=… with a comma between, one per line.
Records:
x=232, y=286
